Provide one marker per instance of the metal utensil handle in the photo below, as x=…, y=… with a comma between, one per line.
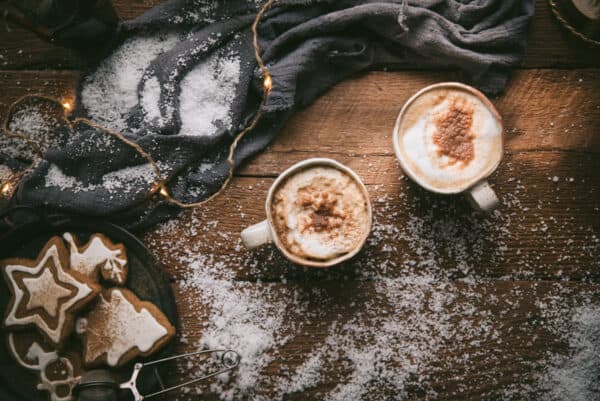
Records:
x=229, y=364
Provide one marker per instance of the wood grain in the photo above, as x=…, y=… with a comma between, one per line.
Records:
x=497, y=335
x=543, y=230
x=56, y=84
x=549, y=44
x=541, y=110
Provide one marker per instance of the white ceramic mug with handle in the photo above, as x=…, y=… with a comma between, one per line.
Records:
x=265, y=232
x=449, y=138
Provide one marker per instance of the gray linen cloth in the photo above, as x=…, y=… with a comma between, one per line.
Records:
x=308, y=47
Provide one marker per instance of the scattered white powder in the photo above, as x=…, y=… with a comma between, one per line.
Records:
x=207, y=93
x=384, y=354
x=416, y=310
x=32, y=121
x=36, y=123
x=110, y=93
x=129, y=176
x=576, y=377
x=5, y=172
x=204, y=167
x=241, y=317
x=204, y=13
x=56, y=178
x=116, y=181
x=150, y=99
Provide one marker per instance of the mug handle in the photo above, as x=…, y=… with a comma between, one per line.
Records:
x=257, y=235
x=482, y=197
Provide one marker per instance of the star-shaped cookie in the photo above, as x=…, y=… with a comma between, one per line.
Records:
x=45, y=293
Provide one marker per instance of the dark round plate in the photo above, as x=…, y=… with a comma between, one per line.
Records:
x=575, y=22
x=146, y=279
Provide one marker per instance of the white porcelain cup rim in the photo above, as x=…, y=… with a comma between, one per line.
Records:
x=477, y=190
x=264, y=232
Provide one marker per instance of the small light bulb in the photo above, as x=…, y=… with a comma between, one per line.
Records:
x=164, y=192
x=6, y=189
x=67, y=106
x=268, y=82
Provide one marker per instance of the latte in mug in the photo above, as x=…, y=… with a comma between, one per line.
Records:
x=320, y=213
x=449, y=138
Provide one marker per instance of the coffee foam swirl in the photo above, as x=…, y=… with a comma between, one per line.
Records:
x=449, y=139
x=320, y=213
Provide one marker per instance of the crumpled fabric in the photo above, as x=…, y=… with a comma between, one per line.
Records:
x=308, y=46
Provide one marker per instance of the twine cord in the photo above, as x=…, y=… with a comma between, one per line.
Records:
x=160, y=185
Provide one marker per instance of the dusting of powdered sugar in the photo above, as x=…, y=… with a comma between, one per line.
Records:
x=240, y=317
x=150, y=99
x=207, y=93
x=35, y=123
x=437, y=287
x=116, y=181
x=576, y=375
x=111, y=91
x=208, y=90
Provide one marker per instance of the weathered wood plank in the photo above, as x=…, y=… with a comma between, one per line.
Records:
x=549, y=44
x=542, y=110
x=547, y=227
x=475, y=341
x=15, y=84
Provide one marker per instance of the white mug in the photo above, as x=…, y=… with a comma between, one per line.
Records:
x=264, y=232
x=478, y=192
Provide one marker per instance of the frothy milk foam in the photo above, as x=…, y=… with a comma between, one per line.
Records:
x=449, y=138
x=320, y=213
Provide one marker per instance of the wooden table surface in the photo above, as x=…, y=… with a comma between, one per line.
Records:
x=491, y=304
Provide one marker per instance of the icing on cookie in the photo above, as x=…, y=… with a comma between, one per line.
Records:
x=45, y=295
x=31, y=357
x=38, y=286
x=96, y=253
x=40, y=360
x=116, y=327
x=81, y=325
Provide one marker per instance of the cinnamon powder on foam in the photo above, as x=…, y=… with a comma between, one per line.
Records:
x=453, y=136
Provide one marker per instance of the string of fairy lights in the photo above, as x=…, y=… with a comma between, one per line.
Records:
x=160, y=185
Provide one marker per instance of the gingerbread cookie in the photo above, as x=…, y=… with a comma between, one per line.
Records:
x=99, y=254
x=45, y=293
x=121, y=327
x=58, y=374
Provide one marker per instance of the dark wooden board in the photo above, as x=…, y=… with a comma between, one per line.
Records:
x=550, y=45
x=500, y=335
x=543, y=229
